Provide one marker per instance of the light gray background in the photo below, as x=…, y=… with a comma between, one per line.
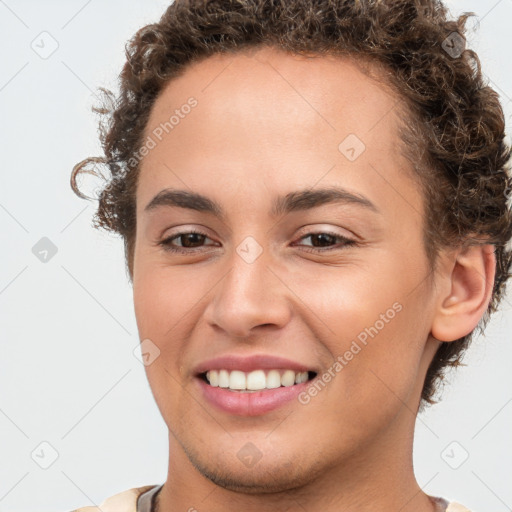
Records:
x=68, y=374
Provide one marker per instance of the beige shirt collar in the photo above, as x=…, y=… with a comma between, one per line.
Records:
x=140, y=499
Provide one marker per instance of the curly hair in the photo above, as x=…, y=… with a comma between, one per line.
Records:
x=452, y=133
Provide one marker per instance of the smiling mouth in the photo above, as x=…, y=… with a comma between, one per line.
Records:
x=256, y=380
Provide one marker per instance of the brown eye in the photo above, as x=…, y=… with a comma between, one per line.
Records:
x=322, y=241
x=188, y=241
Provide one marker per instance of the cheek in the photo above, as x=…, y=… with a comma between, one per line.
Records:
x=376, y=372
x=374, y=327
x=164, y=313
x=164, y=296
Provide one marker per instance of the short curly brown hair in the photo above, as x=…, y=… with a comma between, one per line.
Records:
x=453, y=131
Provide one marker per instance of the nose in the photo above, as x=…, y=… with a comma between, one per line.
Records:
x=250, y=297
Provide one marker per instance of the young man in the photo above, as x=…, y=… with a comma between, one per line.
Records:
x=313, y=199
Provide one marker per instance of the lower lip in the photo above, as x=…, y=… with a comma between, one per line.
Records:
x=250, y=404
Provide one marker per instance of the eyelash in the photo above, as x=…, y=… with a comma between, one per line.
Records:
x=166, y=243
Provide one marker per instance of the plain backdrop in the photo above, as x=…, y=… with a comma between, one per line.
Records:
x=78, y=421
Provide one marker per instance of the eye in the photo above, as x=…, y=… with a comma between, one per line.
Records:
x=189, y=240
x=326, y=238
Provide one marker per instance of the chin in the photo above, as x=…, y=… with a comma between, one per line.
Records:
x=265, y=477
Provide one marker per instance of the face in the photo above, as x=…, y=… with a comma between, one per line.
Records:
x=304, y=253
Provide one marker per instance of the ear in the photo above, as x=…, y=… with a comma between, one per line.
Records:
x=468, y=281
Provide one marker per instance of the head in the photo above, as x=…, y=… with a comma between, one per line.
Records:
x=288, y=99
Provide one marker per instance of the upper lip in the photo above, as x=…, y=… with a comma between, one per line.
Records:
x=250, y=363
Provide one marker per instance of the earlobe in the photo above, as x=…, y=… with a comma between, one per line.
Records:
x=470, y=284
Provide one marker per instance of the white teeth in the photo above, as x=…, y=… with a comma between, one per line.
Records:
x=223, y=378
x=213, y=378
x=255, y=380
x=301, y=377
x=305, y=377
x=288, y=378
x=237, y=380
x=273, y=379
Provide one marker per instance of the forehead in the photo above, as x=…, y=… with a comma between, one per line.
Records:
x=270, y=116
x=328, y=92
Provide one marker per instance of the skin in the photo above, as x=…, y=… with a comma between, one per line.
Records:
x=267, y=124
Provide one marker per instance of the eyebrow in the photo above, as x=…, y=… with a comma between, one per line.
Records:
x=299, y=200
